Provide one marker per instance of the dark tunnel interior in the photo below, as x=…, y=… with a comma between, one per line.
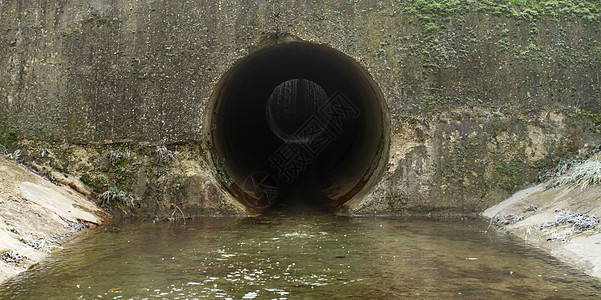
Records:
x=297, y=121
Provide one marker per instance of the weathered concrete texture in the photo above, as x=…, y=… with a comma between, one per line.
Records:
x=474, y=90
x=144, y=70
x=465, y=161
x=36, y=217
x=180, y=187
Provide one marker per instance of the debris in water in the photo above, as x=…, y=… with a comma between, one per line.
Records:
x=11, y=228
x=74, y=226
x=580, y=222
x=12, y=257
x=38, y=244
x=506, y=219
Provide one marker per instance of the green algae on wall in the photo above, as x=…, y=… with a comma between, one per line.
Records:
x=132, y=72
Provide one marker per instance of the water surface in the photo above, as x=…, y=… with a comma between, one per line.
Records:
x=286, y=256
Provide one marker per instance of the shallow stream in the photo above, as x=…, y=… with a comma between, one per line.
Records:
x=292, y=256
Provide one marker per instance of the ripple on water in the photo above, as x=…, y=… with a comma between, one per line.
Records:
x=305, y=256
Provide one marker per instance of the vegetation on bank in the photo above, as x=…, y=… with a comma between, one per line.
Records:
x=582, y=171
x=522, y=9
x=582, y=175
x=111, y=171
x=8, y=142
x=115, y=172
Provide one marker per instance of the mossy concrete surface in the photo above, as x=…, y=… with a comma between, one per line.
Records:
x=482, y=95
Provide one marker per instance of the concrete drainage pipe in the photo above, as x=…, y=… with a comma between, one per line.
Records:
x=297, y=121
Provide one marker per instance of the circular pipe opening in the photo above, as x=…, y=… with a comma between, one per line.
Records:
x=297, y=121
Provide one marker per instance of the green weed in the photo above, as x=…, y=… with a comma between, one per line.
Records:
x=582, y=175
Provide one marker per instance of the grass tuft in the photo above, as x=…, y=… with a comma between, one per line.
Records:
x=583, y=175
x=164, y=154
x=117, y=197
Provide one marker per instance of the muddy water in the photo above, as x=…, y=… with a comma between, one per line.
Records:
x=300, y=256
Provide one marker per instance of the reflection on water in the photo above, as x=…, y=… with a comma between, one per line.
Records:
x=300, y=256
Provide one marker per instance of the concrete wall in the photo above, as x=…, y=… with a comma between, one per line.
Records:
x=481, y=96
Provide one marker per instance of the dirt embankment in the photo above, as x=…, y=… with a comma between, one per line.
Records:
x=562, y=220
x=36, y=216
